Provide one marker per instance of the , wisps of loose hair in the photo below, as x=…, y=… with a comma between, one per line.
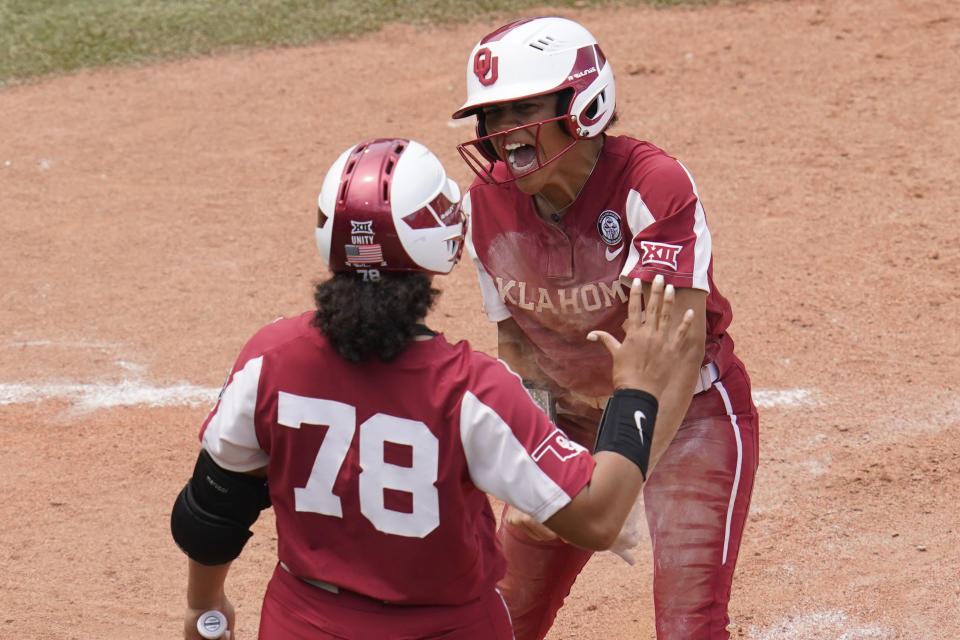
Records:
x=364, y=318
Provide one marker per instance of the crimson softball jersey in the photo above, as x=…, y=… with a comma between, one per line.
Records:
x=377, y=471
x=637, y=216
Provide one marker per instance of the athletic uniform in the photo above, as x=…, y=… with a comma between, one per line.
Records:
x=637, y=216
x=378, y=472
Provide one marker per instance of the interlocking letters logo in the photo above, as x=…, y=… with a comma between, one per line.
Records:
x=486, y=67
x=557, y=444
x=660, y=253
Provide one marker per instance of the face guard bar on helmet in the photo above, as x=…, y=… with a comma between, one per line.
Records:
x=482, y=154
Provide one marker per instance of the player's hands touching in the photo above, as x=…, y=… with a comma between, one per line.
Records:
x=190, y=631
x=649, y=352
x=529, y=526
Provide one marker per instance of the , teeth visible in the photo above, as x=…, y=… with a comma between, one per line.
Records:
x=520, y=160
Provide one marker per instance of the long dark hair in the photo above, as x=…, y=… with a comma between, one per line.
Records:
x=364, y=318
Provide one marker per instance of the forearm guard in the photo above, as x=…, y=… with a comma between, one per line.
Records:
x=627, y=426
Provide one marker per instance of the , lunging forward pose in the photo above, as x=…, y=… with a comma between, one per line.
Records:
x=562, y=216
x=375, y=439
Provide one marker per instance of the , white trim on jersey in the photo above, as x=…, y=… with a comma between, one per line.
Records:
x=500, y=465
x=736, y=477
x=638, y=219
x=493, y=306
x=703, y=247
x=231, y=437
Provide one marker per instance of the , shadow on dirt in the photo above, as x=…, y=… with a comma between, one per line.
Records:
x=152, y=218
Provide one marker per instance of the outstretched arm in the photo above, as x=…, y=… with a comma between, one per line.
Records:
x=643, y=362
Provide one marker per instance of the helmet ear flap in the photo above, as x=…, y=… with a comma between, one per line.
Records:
x=485, y=146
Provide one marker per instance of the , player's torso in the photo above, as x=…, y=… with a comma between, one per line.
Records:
x=560, y=281
x=378, y=472
x=397, y=508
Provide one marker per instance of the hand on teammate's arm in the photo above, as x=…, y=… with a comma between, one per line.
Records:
x=644, y=361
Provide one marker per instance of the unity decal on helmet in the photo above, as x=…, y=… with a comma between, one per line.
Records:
x=660, y=253
x=608, y=224
x=363, y=250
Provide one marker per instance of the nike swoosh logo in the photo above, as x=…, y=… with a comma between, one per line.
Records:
x=638, y=417
x=610, y=255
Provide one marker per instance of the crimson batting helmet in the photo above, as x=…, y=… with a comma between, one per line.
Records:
x=388, y=205
x=536, y=57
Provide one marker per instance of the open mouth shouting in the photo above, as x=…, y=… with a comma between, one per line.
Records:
x=521, y=158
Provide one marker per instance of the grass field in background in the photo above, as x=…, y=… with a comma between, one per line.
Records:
x=43, y=37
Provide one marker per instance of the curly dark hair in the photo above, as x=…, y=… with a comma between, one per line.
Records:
x=364, y=317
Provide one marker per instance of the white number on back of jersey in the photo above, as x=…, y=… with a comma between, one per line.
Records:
x=375, y=473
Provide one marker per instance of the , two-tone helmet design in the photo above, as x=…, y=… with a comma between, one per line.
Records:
x=537, y=57
x=387, y=205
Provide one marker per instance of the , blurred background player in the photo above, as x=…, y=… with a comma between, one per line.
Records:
x=560, y=216
x=374, y=438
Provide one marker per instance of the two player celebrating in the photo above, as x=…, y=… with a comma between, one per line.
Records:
x=376, y=440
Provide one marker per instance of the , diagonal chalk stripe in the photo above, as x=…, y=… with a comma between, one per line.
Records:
x=769, y=398
x=92, y=396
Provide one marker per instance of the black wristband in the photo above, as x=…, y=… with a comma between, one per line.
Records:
x=627, y=426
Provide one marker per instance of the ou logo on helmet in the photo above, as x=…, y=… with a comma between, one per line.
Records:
x=485, y=66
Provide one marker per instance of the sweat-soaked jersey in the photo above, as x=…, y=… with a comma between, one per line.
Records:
x=638, y=215
x=377, y=471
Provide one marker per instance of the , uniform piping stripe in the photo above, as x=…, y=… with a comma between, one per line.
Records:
x=703, y=247
x=736, y=478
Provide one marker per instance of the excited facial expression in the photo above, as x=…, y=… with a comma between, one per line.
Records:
x=532, y=137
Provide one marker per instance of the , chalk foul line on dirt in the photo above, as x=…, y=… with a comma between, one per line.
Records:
x=769, y=398
x=92, y=396
x=99, y=395
x=823, y=625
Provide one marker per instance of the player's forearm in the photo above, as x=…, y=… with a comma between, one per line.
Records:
x=514, y=349
x=674, y=403
x=205, y=584
x=596, y=514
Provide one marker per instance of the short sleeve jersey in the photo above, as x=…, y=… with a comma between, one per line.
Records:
x=637, y=216
x=378, y=471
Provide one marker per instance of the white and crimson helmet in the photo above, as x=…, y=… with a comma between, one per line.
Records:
x=536, y=57
x=388, y=205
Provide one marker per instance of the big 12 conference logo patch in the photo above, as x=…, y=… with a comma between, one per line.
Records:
x=660, y=253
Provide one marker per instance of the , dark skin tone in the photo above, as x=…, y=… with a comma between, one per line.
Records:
x=553, y=189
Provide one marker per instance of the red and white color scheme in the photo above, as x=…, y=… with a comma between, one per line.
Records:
x=637, y=216
x=378, y=471
x=535, y=57
x=388, y=205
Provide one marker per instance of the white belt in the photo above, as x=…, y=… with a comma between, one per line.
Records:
x=708, y=375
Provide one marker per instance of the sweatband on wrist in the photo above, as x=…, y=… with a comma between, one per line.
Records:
x=627, y=426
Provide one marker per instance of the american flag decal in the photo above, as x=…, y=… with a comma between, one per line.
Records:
x=363, y=253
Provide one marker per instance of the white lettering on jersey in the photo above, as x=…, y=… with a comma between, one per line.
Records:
x=660, y=253
x=588, y=297
x=559, y=445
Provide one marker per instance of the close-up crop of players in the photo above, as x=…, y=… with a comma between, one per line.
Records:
x=562, y=216
x=376, y=441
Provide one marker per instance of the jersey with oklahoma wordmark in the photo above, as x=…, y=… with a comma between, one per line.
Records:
x=378, y=471
x=637, y=216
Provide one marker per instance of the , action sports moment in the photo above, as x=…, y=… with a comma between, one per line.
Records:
x=516, y=322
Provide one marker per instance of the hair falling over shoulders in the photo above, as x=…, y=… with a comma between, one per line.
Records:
x=364, y=318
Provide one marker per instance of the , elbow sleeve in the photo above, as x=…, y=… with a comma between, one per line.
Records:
x=212, y=515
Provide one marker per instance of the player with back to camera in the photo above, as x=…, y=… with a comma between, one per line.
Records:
x=374, y=438
x=561, y=216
